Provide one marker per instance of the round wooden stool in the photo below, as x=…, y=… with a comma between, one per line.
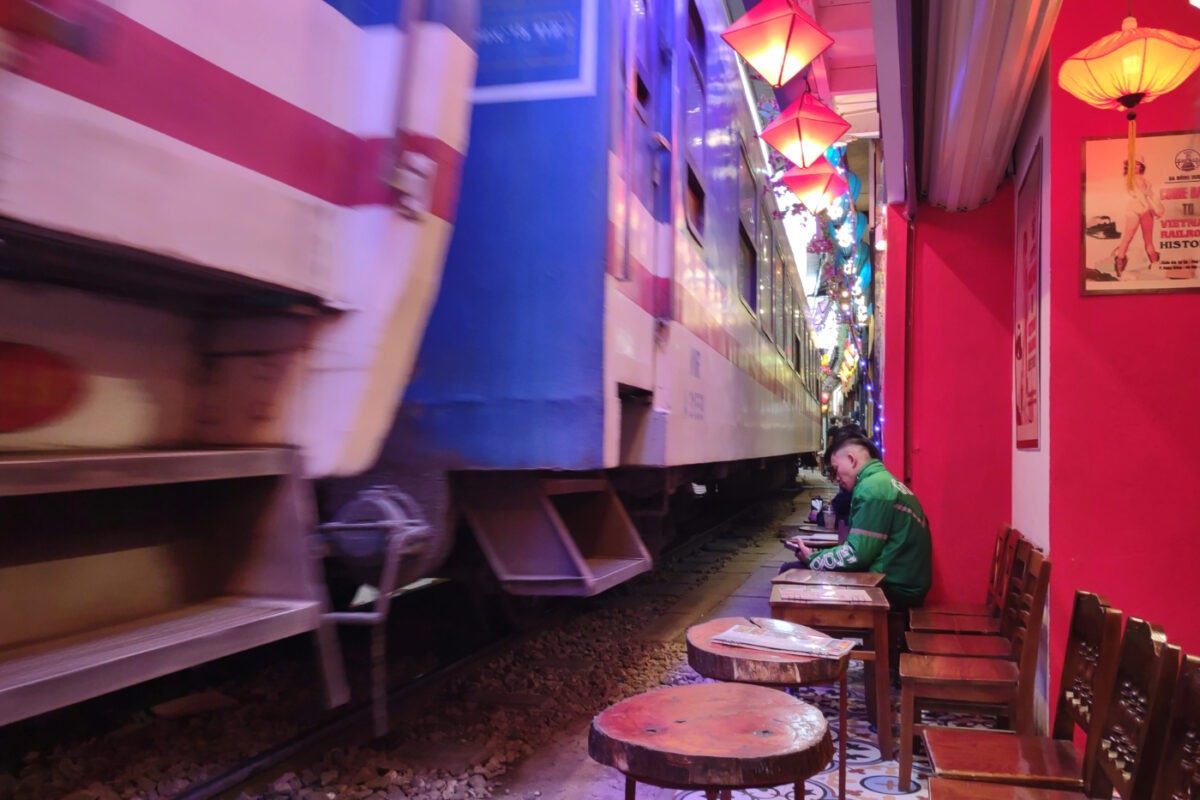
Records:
x=765, y=667
x=712, y=736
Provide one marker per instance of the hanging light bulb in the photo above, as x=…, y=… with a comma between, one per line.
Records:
x=845, y=234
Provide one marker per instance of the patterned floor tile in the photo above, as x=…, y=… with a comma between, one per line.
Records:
x=868, y=775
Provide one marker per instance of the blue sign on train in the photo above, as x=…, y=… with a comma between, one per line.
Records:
x=530, y=41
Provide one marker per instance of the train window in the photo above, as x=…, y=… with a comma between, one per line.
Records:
x=695, y=32
x=643, y=91
x=694, y=204
x=747, y=276
x=798, y=331
x=694, y=133
x=747, y=193
x=765, y=313
x=789, y=322
x=777, y=287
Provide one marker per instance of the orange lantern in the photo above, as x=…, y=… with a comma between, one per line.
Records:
x=1134, y=65
x=804, y=131
x=815, y=186
x=777, y=39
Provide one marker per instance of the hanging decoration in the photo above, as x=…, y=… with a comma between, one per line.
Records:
x=1135, y=65
x=815, y=186
x=804, y=131
x=777, y=39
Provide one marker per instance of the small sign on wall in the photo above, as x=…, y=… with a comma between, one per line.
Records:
x=1144, y=239
x=1026, y=305
x=536, y=50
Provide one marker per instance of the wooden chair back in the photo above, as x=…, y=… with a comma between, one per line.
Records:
x=1025, y=615
x=1089, y=668
x=1002, y=561
x=1022, y=552
x=1179, y=769
x=1134, y=726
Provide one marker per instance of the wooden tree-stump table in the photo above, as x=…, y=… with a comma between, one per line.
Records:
x=712, y=736
x=767, y=668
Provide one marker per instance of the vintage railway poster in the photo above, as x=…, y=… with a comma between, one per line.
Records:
x=1144, y=239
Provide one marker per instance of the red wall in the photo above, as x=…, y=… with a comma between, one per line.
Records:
x=961, y=386
x=1124, y=443
x=894, y=339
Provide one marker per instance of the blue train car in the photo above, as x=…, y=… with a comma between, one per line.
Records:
x=620, y=304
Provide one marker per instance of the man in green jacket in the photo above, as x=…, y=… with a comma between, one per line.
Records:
x=889, y=531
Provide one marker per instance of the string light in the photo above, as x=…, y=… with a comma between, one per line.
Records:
x=845, y=234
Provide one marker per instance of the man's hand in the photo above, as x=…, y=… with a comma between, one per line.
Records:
x=799, y=547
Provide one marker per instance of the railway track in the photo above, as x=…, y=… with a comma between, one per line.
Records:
x=475, y=697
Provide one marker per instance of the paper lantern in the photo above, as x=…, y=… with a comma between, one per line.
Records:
x=804, y=131
x=815, y=186
x=1135, y=65
x=777, y=39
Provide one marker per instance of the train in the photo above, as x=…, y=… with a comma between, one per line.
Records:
x=267, y=320
x=620, y=316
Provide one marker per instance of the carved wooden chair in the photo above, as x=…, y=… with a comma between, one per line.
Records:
x=1089, y=669
x=1179, y=768
x=977, y=644
x=933, y=680
x=998, y=577
x=1140, y=755
x=920, y=619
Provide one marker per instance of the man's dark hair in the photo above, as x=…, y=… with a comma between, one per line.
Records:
x=848, y=435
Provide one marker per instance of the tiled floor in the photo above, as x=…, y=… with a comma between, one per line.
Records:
x=561, y=770
x=868, y=774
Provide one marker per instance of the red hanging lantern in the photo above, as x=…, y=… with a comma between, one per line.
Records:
x=777, y=39
x=816, y=186
x=804, y=131
x=1134, y=65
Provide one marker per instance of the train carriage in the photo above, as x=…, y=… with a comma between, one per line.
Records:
x=621, y=308
x=222, y=227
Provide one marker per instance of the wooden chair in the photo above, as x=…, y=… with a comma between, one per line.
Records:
x=920, y=619
x=927, y=680
x=1179, y=768
x=997, y=590
x=972, y=644
x=1089, y=669
x=1141, y=755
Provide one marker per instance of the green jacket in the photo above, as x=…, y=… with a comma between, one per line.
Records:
x=889, y=533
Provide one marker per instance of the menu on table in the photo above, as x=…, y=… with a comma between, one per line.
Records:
x=823, y=594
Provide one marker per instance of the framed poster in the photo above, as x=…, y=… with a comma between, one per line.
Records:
x=1146, y=239
x=1026, y=304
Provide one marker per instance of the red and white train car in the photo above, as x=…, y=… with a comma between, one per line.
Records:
x=222, y=227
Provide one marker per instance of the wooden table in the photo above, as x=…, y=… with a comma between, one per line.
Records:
x=869, y=617
x=829, y=577
x=768, y=668
x=712, y=736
